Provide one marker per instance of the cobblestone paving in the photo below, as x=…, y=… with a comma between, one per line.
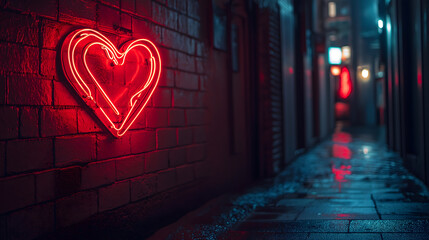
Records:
x=348, y=187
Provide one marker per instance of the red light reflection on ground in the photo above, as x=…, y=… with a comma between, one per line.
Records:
x=342, y=137
x=342, y=110
x=341, y=151
x=342, y=216
x=340, y=174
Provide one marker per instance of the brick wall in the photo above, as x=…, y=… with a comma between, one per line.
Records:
x=60, y=167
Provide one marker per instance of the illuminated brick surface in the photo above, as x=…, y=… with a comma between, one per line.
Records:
x=59, y=164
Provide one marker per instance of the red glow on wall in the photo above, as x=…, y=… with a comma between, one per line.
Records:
x=342, y=137
x=116, y=84
x=341, y=151
x=345, y=83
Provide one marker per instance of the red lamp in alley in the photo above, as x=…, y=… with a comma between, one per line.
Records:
x=115, y=83
x=345, y=87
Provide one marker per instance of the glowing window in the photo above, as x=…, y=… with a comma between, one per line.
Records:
x=332, y=9
x=334, y=55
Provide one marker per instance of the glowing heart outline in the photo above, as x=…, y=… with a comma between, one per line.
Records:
x=137, y=101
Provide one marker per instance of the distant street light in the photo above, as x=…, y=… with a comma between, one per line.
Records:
x=380, y=24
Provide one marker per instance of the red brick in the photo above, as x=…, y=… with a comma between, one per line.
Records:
x=202, y=169
x=114, y=3
x=3, y=88
x=172, y=39
x=52, y=32
x=140, y=123
x=178, y=41
x=86, y=122
x=164, y=16
x=114, y=196
x=9, y=121
x=201, y=50
x=128, y=5
x=181, y=6
x=203, y=83
x=65, y=95
x=162, y=97
x=186, y=80
x=196, y=153
x=25, y=59
x=98, y=173
x=144, y=186
x=16, y=192
x=57, y=121
x=29, y=90
x=46, y=8
x=195, y=116
x=29, y=125
x=108, y=16
x=75, y=208
x=200, y=99
x=200, y=65
x=143, y=8
x=171, y=3
x=156, y=161
x=182, y=24
x=79, y=11
x=126, y=21
x=199, y=134
x=193, y=9
x=47, y=64
x=165, y=138
x=167, y=77
x=142, y=141
x=24, y=28
x=177, y=157
x=76, y=149
x=156, y=117
x=166, y=179
x=184, y=136
x=185, y=174
x=189, y=45
x=26, y=155
x=68, y=180
x=45, y=185
x=193, y=28
x=169, y=57
x=176, y=117
x=109, y=147
x=31, y=222
x=185, y=62
x=2, y=158
x=130, y=166
x=183, y=98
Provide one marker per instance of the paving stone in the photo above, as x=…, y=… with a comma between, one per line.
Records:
x=296, y=226
x=341, y=236
x=405, y=236
x=404, y=226
x=323, y=195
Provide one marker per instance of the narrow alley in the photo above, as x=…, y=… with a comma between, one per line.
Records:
x=348, y=187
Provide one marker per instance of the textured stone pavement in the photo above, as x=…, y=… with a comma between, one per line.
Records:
x=348, y=187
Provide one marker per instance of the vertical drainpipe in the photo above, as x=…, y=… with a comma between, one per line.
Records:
x=230, y=84
x=253, y=97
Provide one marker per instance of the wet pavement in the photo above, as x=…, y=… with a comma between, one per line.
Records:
x=348, y=187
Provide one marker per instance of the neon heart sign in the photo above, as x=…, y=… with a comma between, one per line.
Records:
x=116, y=84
